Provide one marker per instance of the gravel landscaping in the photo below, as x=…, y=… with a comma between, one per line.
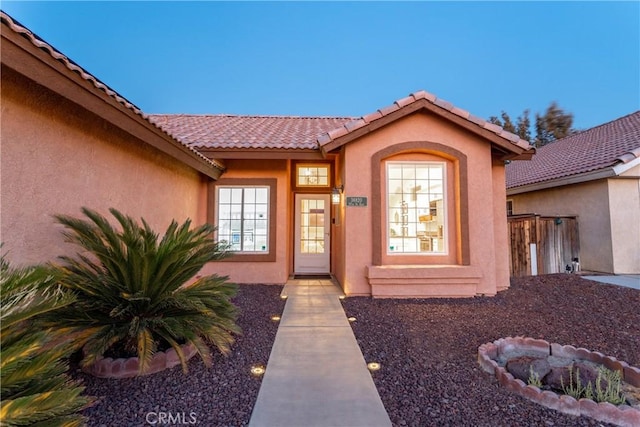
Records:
x=222, y=395
x=428, y=348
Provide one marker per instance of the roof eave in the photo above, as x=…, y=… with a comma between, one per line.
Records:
x=607, y=172
x=260, y=153
x=624, y=166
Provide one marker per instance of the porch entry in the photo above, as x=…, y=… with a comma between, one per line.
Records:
x=312, y=234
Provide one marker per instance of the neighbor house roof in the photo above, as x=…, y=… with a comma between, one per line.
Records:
x=25, y=52
x=600, y=152
x=233, y=132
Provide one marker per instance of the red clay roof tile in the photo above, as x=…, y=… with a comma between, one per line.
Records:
x=460, y=112
x=252, y=132
x=595, y=149
x=371, y=117
x=289, y=132
x=420, y=95
x=443, y=104
x=405, y=101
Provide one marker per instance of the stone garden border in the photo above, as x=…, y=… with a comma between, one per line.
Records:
x=128, y=368
x=622, y=415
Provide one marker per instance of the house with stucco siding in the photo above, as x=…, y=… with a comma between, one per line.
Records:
x=595, y=176
x=406, y=201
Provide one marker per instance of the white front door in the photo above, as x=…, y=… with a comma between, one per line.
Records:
x=312, y=234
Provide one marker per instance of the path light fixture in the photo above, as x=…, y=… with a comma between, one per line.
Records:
x=336, y=195
x=373, y=366
x=283, y=297
x=341, y=297
x=257, y=370
x=275, y=318
x=351, y=319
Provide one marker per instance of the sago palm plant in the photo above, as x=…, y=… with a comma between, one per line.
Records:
x=133, y=289
x=36, y=390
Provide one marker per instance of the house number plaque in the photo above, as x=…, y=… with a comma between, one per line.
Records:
x=356, y=201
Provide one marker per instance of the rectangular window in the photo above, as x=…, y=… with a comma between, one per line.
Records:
x=416, y=216
x=313, y=175
x=243, y=217
x=509, y=207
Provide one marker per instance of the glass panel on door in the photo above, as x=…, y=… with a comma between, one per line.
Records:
x=312, y=226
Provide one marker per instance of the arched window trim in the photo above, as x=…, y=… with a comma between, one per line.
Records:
x=460, y=195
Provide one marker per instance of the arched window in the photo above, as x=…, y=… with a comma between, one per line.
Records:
x=419, y=205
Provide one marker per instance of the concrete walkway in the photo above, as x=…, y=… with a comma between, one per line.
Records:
x=629, y=281
x=316, y=375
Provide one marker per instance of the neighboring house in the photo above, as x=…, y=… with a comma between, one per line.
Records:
x=405, y=201
x=594, y=175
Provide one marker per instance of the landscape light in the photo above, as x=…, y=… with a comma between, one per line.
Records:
x=257, y=370
x=373, y=366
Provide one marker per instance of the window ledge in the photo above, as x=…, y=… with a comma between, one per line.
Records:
x=423, y=281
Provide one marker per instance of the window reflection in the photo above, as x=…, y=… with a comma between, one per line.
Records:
x=416, y=207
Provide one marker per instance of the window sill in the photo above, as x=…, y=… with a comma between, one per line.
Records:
x=426, y=281
x=249, y=257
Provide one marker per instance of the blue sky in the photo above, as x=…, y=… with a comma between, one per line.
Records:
x=351, y=58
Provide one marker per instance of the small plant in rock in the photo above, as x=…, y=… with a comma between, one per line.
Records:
x=534, y=378
x=610, y=392
x=134, y=292
x=35, y=387
x=575, y=388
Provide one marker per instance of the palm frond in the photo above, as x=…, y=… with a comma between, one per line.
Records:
x=34, y=386
x=146, y=348
x=130, y=286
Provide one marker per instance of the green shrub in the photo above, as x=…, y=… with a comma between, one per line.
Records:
x=34, y=385
x=534, y=378
x=133, y=288
x=611, y=393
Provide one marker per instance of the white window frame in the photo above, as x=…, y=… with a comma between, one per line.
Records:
x=445, y=214
x=509, y=207
x=244, y=234
x=316, y=166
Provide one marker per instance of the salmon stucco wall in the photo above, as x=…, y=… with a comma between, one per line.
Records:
x=338, y=229
x=501, y=234
x=57, y=158
x=589, y=201
x=262, y=272
x=481, y=223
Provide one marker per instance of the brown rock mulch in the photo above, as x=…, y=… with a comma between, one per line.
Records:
x=428, y=348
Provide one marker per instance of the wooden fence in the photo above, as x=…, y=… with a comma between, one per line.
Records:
x=542, y=244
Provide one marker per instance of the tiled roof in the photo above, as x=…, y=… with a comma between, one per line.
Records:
x=308, y=133
x=417, y=97
x=95, y=82
x=247, y=132
x=595, y=149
